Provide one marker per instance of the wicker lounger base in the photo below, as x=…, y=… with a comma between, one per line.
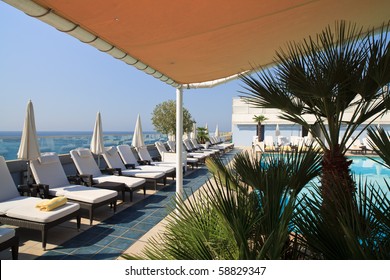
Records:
x=113, y=186
x=90, y=207
x=154, y=181
x=193, y=164
x=172, y=174
x=131, y=190
x=43, y=227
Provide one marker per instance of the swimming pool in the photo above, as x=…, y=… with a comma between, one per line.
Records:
x=369, y=169
x=364, y=168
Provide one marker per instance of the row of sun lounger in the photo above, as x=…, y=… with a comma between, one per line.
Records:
x=48, y=172
x=195, y=153
x=301, y=143
x=21, y=211
x=88, y=192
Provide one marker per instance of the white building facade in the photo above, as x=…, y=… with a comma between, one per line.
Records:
x=244, y=127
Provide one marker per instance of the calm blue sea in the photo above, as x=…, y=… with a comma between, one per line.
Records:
x=62, y=142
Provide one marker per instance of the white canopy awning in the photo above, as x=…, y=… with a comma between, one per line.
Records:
x=198, y=43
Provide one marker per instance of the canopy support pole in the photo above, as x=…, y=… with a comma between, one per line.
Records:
x=179, y=143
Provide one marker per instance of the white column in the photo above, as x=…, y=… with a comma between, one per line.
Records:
x=179, y=142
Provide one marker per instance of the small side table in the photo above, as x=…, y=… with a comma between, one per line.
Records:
x=119, y=187
x=8, y=239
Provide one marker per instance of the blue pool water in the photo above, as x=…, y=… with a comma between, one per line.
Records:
x=365, y=168
x=369, y=169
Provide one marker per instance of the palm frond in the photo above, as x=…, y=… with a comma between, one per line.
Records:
x=379, y=141
x=193, y=230
x=341, y=68
x=357, y=231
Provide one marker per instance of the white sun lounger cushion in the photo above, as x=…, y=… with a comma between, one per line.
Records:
x=128, y=157
x=89, y=166
x=83, y=193
x=48, y=170
x=8, y=189
x=128, y=181
x=47, y=158
x=171, y=157
x=53, y=174
x=31, y=213
x=85, y=162
x=111, y=150
x=114, y=161
x=127, y=154
x=23, y=207
x=157, y=167
x=5, y=206
x=143, y=173
x=197, y=155
x=84, y=153
x=143, y=153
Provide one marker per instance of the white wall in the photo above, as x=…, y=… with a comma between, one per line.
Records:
x=244, y=128
x=243, y=134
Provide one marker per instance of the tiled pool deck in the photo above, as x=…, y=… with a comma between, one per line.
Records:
x=110, y=238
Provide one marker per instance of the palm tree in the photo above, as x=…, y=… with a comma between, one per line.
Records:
x=245, y=212
x=265, y=209
x=323, y=77
x=202, y=135
x=259, y=120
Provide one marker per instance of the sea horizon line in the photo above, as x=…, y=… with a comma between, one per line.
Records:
x=78, y=132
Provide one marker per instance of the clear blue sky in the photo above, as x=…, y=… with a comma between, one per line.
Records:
x=69, y=81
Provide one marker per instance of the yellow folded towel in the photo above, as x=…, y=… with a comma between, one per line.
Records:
x=51, y=204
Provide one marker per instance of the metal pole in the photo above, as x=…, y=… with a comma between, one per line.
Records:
x=179, y=142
